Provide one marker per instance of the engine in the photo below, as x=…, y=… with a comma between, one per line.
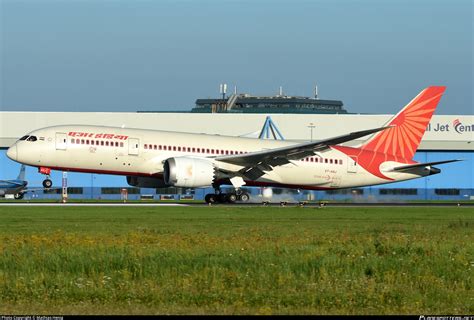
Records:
x=146, y=182
x=189, y=172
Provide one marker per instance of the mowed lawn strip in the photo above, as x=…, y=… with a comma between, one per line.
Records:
x=236, y=260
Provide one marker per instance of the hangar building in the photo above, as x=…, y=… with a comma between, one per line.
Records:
x=447, y=137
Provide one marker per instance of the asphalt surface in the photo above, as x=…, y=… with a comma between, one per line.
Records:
x=199, y=204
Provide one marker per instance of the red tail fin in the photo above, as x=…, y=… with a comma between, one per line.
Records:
x=409, y=125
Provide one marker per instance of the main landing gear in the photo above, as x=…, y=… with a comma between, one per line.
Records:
x=18, y=196
x=220, y=197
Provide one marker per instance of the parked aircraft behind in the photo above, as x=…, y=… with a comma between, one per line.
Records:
x=156, y=159
x=16, y=187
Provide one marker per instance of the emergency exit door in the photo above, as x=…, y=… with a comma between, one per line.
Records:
x=61, y=141
x=133, y=146
x=352, y=164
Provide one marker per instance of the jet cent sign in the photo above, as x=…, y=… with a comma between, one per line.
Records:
x=452, y=127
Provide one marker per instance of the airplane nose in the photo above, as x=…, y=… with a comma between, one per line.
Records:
x=12, y=153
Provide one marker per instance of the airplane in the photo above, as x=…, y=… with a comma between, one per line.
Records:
x=16, y=187
x=158, y=159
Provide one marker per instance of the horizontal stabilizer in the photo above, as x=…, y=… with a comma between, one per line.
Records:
x=18, y=183
x=418, y=165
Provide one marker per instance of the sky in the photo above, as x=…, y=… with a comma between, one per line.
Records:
x=375, y=56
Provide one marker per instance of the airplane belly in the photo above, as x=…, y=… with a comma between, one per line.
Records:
x=304, y=175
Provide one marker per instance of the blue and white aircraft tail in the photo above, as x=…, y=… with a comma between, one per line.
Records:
x=16, y=187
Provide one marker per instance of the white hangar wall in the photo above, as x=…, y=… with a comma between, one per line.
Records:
x=445, y=132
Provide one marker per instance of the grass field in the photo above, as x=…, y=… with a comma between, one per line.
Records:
x=224, y=260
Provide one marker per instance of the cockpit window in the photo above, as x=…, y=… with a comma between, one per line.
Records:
x=31, y=138
x=24, y=137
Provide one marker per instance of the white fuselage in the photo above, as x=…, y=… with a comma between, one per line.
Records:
x=137, y=152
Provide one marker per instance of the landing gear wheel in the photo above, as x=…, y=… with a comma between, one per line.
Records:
x=244, y=197
x=222, y=198
x=47, y=183
x=18, y=196
x=232, y=197
x=211, y=198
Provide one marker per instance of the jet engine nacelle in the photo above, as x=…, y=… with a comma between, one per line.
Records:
x=188, y=172
x=146, y=182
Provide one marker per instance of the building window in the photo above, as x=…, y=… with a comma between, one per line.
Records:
x=119, y=190
x=447, y=192
x=398, y=191
x=346, y=191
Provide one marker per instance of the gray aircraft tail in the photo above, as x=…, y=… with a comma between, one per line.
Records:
x=21, y=175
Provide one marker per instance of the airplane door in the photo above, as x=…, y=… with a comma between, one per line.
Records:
x=133, y=145
x=61, y=141
x=351, y=165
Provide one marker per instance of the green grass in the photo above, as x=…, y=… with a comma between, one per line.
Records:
x=236, y=260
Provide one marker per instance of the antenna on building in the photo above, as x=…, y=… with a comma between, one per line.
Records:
x=223, y=89
x=281, y=91
x=316, y=91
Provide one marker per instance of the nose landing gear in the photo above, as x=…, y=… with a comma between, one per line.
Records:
x=47, y=183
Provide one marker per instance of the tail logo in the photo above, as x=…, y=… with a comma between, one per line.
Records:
x=409, y=125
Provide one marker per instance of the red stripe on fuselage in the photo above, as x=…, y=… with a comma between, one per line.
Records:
x=160, y=176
